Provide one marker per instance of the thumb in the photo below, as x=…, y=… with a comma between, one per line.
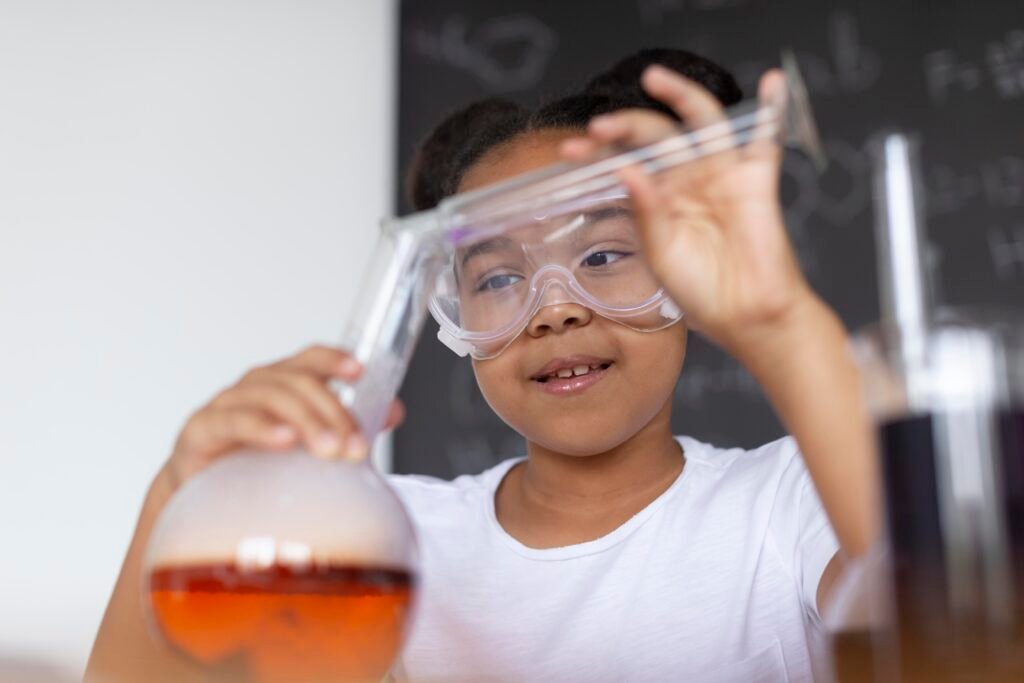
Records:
x=396, y=415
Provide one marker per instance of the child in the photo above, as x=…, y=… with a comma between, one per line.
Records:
x=614, y=550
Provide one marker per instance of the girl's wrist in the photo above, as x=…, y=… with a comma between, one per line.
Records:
x=782, y=338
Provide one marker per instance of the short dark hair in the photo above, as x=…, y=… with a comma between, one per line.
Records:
x=466, y=135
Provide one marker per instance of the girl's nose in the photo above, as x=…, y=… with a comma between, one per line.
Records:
x=558, y=318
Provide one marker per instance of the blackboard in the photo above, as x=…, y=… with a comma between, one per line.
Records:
x=952, y=72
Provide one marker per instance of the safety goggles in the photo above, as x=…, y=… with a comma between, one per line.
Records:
x=586, y=252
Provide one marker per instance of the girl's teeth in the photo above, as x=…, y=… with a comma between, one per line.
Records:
x=576, y=371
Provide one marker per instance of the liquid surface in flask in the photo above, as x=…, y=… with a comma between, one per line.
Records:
x=284, y=623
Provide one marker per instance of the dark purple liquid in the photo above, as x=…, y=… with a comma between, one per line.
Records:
x=936, y=642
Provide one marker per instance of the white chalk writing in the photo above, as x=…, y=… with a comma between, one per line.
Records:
x=837, y=197
x=1001, y=66
x=504, y=53
x=996, y=183
x=850, y=67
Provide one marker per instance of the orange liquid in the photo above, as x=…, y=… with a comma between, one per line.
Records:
x=284, y=624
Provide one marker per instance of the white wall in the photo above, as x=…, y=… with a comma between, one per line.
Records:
x=187, y=188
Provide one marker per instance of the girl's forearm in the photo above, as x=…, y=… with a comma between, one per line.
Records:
x=124, y=650
x=803, y=363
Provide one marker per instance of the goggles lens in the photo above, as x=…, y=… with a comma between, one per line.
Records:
x=590, y=255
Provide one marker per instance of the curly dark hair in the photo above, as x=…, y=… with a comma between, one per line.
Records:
x=466, y=135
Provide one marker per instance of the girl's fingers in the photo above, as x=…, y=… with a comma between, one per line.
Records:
x=701, y=111
x=693, y=103
x=224, y=427
x=325, y=362
x=578, y=149
x=396, y=415
x=771, y=94
x=324, y=401
x=631, y=127
x=650, y=208
x=626, y=128
x=287, y=406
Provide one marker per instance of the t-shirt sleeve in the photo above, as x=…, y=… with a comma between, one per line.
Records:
x=801, y=528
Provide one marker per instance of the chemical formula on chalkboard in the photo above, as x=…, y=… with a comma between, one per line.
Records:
x=998, y=64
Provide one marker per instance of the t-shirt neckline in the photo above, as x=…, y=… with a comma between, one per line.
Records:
x=598, y=545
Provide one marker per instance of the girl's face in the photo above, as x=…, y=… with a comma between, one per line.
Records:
x=630, y=375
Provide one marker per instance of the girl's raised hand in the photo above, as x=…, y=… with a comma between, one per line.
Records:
x=277, y=407
x=712, y=229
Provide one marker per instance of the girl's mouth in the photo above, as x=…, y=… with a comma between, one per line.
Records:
x=572, y=380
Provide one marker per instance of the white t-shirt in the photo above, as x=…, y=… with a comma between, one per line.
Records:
x=713, y=582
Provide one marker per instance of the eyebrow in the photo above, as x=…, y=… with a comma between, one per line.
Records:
x=502, y=242
x=607, y=213
x=588, y=219
x=486, y=247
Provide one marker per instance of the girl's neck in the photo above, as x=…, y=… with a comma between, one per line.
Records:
x=555, y=500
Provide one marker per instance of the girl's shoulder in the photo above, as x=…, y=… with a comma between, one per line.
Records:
x=777, y=455
x=773, y=474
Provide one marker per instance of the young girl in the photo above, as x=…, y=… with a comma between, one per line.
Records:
x=614, y=550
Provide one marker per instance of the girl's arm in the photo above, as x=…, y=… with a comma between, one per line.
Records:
x=714, y=234
x=124, y=650
x=803, y=363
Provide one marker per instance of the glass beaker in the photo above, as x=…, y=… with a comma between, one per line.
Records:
x=944, y=596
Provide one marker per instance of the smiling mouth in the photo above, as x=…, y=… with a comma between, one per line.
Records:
x=575, y=371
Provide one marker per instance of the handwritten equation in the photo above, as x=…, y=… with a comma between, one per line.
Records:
x=995, y=183
x=504, y=54
x=999, y=67
x=851, y=66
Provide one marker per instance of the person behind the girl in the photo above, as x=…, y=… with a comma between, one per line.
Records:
x=614, y=550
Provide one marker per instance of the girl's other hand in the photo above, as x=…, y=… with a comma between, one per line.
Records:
x=712, y=229
x=277, y=407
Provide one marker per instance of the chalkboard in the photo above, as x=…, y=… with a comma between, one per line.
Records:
x=952, y=72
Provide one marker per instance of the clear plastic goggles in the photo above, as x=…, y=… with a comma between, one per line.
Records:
x=585, y=252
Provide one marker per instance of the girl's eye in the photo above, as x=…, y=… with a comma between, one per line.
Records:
x=497, y=282
x=603, y=258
